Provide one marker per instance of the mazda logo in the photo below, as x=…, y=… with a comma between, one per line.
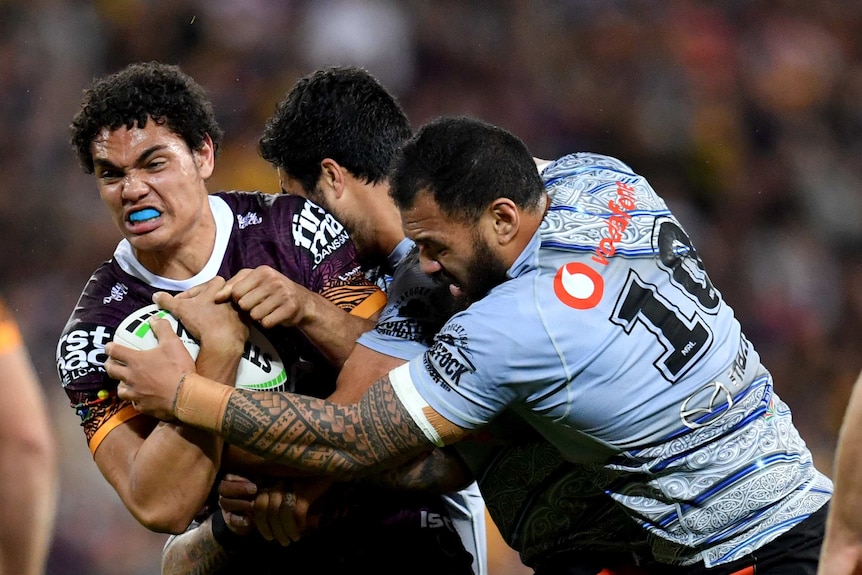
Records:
x=706, y=405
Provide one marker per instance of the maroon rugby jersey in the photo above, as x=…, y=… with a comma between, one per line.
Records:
x=288, y=233
x=305, y=243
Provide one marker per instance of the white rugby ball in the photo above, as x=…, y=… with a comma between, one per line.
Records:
x=260, y=368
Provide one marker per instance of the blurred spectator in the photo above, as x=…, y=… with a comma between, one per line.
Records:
x=28, y=458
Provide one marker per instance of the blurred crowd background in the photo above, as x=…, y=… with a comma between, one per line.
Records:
x=745, y=114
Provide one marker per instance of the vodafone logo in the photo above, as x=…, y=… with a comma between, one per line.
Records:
x=579, y=286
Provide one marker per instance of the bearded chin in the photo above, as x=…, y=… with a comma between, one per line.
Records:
x=487, y=271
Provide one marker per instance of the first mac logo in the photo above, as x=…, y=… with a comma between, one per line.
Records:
x=82, y=350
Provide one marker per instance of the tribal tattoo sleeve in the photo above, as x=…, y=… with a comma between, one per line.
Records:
x=312, y=434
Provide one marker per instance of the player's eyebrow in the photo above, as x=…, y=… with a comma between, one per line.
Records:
x=142, y=157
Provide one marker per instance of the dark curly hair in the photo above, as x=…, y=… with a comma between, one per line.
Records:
x=340, y=112
x=139, y=92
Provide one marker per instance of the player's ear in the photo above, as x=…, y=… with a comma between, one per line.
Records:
x=205, y=157
x=332, y=178
x=506, y=219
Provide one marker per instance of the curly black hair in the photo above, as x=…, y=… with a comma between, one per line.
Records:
x=137, y=93
x=339, y=112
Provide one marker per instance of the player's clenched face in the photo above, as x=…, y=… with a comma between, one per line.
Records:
x=155, y=189
x=457, y=252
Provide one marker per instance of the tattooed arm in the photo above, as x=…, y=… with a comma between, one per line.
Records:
x=438, y=471
x=302, y=432
x=310, y=433
x=195, y=551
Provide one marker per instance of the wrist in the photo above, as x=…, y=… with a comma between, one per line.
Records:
x=201, y=402
x=223, y=534
x=230, y=346
x=177, y=394
x=312, y=310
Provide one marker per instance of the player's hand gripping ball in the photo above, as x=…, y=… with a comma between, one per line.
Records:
x=260, y=368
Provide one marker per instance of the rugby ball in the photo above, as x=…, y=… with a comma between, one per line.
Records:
x=261, y=368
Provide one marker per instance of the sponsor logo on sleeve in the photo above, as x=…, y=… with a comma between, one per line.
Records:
x=81, y=351
x=447, y=360
x=408, y=329
x=118, y=292
x=317, y=231
x=411, y=316
x=249, y=219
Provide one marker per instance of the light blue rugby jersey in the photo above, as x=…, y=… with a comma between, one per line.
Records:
x=527, y=520
x=611, y=341
x=415, y=309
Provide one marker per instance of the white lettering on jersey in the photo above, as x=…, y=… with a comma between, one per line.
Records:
x=246, y=220
x=434, y=520
x=317, y=231
x=118, y=292
x=82, y=351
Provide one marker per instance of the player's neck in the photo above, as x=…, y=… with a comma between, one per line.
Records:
x=385, y=219
x=185, y=256
x=390, y=240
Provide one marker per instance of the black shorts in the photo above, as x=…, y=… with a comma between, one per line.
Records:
x=380, y=550
x=352, y=546
x=367, y=530
x=588, y=563
x=796, y=552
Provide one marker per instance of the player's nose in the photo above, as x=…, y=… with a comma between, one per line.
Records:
x=428, y=265
x=134, y=187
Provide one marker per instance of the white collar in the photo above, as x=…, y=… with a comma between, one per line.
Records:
x=125, y=256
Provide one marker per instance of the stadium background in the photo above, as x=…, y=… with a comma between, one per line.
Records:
x=745, y=114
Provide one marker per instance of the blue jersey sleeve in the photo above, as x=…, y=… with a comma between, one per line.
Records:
x=416, y=309
x=480, y=363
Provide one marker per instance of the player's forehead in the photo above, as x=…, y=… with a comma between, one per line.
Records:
x=425, y=223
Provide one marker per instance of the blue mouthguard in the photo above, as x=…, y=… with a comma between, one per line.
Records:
x=146, y=214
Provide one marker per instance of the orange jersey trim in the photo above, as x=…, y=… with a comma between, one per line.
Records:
x=115, y=421
x=370, y=305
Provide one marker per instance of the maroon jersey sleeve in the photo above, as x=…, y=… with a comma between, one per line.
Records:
x=305, y=243
x=109, y=296
x=336, y=270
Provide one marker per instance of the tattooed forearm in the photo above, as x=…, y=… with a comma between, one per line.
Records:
x=440, y=470
x=317, y=435
x=194, y=552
